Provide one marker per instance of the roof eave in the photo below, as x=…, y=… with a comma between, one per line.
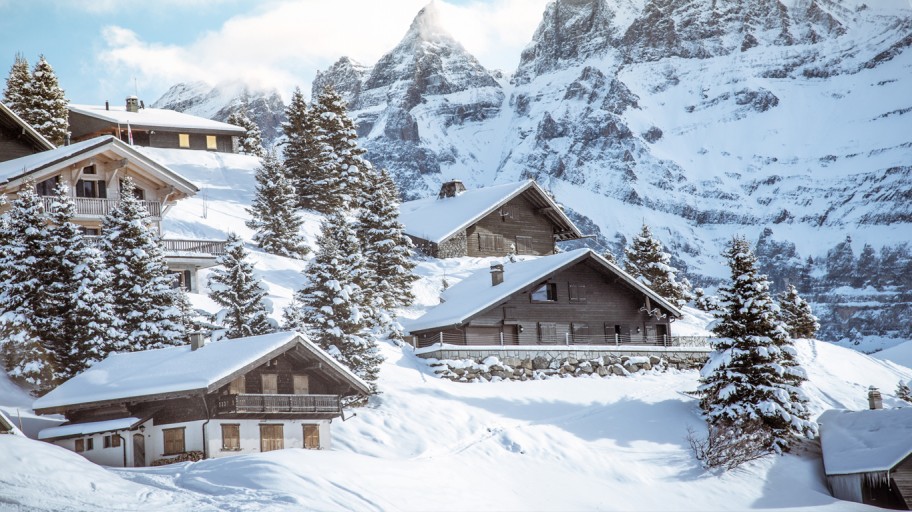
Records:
x=27, y=128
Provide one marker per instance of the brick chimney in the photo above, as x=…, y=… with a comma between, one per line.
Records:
x=497, y=273
x=132, y=104
x=451, y=188
x=875, y=401
x=197, y=340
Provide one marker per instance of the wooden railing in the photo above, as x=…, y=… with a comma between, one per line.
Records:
x=94, y=207
x=562, y=340
x=213, y=247
x=321, y=404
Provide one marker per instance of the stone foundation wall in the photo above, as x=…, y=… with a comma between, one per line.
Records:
x=454, y=247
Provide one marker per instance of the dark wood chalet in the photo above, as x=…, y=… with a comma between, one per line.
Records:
x=18, y=138
x=572, y=298
x=154, y=127
x=519, y=218
x=867, y=455
x=202, y=400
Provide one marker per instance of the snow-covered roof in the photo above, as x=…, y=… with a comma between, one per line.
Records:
x=92, y=427
x=37, y=139
x=435, y=220
x=66, y=155
x=475, y=293
x=154, y=118
x=864, y=441
x=179, y=369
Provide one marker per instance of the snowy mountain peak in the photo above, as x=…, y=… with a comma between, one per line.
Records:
x=427, y=26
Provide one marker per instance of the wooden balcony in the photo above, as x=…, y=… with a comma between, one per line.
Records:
x=179, y=247
x=316, y=405
x=95, y=207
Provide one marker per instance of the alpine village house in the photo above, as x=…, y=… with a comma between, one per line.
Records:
x=18, y=138
x=202, y=400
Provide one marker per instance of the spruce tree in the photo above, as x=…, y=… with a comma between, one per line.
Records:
x=251, y=143
x=17, y=86
x=144, y=298
x=867, y=269
x=331, y=307
x=239, y=292
x=840, y=263
x=303, y=156
x=646, y=261
x=46, y=104
x=273, y=214
x=795, y=313
x=344, y=171
x=752, y=377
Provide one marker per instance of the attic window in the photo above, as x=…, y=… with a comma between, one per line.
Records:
x=89, y=169
x=577, y=292
x=183, y=140
x=211, y=142
x=546, y=292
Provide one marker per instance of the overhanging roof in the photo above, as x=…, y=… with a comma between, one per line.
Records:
x=37, y=140
x=92, y=427
x=864, y=441
x=155, y=118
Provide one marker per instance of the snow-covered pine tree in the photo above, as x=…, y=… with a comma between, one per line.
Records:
x=840, y=263
x=46, y=104
x=251, y=143
x=646, y=261
x=144, y=298
x=387, y=251
x=77, y=320
x=345, y=171
x=331, y=307
x=17, y=85
x=867, y=268
x=795, y=313
x=273, y=215
x=303, y=156
x=903, y=391
x=239, y=292
x=753, y=374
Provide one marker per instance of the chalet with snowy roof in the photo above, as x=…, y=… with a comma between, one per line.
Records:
x=242, y=395
x=18, y=138
x=572, y=298
x=515, y=217
x=867, y=455
x=94, y=170
x=7, y=426
x=154, y=127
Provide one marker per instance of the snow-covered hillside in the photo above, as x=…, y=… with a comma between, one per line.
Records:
x=428, y=443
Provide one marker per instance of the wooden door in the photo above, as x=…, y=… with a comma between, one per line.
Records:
x=272, y=437
x=662, y=334
x=139, y=450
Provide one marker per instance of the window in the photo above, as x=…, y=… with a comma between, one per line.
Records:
x=89, y=169
x=272, y=437
x=91, y=189
x=210, y=142
x=577, y=292
x=312, y=437
x=580, y=332
x=545, y=293
x=547, y=332
x=112, y=441
x=174, y=440
x=524, y=245
x=238, y=386
x=231, y=437
x=80, y=445
x=46, y=187
x=269, y=384
x=301, y=384
x=488, y=242
x=138, y=193
x=90, y=231
x=90, y=444
x=183, y=140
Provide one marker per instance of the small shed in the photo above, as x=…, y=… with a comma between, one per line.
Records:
x=866, y=455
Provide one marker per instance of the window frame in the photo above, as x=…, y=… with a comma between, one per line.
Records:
x=278, y=443
x=172, y=442
x=550, y=293
x=41, y=188
x=524, y=244
x=297, y=379
x=275, y=378
x=577, y=292
x=490, y=242
x=238, y=386
x=79, y=446
x=313, y=435
x=237, y=432
x=580, y=332
x=211, y=143
x=183, y=140
x=90, y=444
x=98, y=188
x=545, y=329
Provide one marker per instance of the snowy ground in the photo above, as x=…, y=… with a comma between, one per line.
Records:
x=426, y=443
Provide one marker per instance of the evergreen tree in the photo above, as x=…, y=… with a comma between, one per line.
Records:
x=903, y=392
x=273, y=214
x=647, y=262
x=867, y=269
x=753, y=375
x=608, y=255
x=388, y=276
x=840, y=263
x=331, y=306
x=795, y=313
x=46, y=104
x=344, y=171
x=303, y=155
x=144, y=299
x=17, y=86
x=251, y=143
x=239, y=292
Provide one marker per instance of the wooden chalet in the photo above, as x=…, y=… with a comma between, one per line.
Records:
x=227, y=397
x=153, y=127
x=867, y=455
x=93, y=171
x=518, y=218
x=572, y=298
x=18, y=138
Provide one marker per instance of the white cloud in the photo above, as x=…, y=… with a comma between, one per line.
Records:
x=285, y=43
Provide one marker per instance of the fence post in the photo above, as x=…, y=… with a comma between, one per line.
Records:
x=501, y=339
x=567, y=338
x=441, y=339
x=665, y=339
x=617, y=339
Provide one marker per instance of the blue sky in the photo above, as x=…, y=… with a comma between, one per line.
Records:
x=99, y=51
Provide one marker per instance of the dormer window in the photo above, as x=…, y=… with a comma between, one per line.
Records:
x=546, y=292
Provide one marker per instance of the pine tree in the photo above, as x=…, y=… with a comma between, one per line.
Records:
x=344, y=171
x=239, y=292
x=17, y=85
x=46, y=104
x=145, y=300
x=303, y=156
x=251, y=143
x=331, y=307
x=867, y=269
x=273, y=214
x=647, y=262
x=840, y=263
x=795, y=313
x=903, y=392
x=752, y=375
x=388, y=276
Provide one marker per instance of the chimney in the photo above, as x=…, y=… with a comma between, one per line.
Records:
x=497, y=272
x=107, y=105
x=132, y=104
x=875, y=401
x=197, y=340
x=451, y=188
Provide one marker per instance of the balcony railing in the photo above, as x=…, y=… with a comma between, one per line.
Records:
x=94, y=207
x=316, y=404
x=560, y=340
x=213, y=247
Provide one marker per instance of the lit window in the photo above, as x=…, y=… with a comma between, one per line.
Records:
x=183, y=140
x=545, y=293
x=210, y=142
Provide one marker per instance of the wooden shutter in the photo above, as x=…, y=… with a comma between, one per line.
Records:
x=580, y=332
x=231, y=437
x=80, y=445
x=547, y=332
x=498, y=243
x=269, y=383
x=312, y=437
x=301, y=384
x=577, y=292
x=238, y=386
x=523, y=244
x=272, y=437
x=174, y=440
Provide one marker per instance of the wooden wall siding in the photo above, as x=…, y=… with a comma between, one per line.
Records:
x=179, y=410
x=85, y=127
x=517, y=218
x=285, y=369
x=171, y=139
x=902, y=480
x=12, y=147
